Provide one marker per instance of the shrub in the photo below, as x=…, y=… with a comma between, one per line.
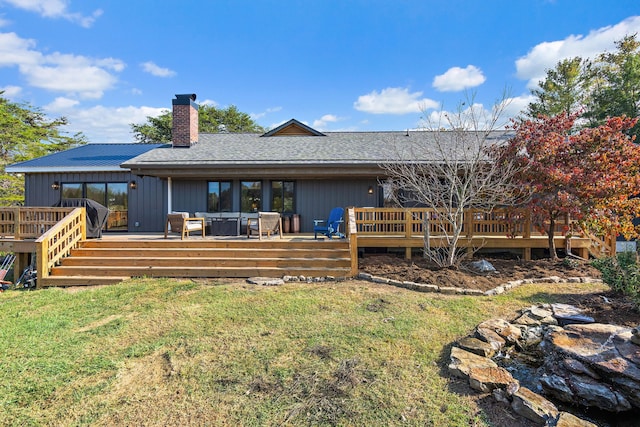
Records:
x=622, y=273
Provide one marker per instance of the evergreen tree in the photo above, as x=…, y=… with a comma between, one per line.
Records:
x=26, y=133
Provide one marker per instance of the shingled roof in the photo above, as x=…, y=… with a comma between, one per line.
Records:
x=336, y=150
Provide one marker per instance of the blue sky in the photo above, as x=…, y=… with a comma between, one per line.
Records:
x=333, y=64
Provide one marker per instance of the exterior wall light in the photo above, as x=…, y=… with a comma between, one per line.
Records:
x=55, y=186
x=133, y=185
x=370, y=190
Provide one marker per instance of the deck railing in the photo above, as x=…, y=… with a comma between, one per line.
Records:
x=29, y=222
x=410, y=222
x=58, y=241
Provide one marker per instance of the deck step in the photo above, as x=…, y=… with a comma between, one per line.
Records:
x=108, y=261
x=217, y=244
x=180, y=271
x=63, y=281
x=204, y=262
x=208, y=253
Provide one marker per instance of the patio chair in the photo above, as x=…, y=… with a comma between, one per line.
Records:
x=267, y=223
x=333, y=224
x=182, y=224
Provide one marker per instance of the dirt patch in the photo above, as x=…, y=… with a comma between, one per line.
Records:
x=606, y=307
x=418, y=270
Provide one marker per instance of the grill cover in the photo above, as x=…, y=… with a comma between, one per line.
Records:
x=96, y=214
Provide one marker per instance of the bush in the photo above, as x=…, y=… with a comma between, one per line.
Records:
x=622, y=273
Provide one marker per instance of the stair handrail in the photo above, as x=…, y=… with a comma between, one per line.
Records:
x=59, y=240
x=600, y=246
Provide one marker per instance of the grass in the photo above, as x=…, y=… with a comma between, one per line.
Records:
x=170, y=352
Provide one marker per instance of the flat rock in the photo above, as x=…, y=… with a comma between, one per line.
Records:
x=265, y=281
x=566, y=419
x=568, y=314
x=490, y=336
x=463, y=361
x=506, y=330
x=488, y=379
x=533, y=407
x=477, y=346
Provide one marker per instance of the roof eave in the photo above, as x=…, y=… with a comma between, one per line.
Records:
x=63, y=169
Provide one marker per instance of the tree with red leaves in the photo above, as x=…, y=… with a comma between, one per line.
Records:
x=590, y=175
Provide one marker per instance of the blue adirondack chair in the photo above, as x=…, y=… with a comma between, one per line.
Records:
x=332, y=227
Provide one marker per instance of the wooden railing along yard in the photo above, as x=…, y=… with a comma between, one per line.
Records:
x=405, y=227
x=29, y=222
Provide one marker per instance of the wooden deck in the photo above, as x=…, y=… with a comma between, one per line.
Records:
x=66, y=257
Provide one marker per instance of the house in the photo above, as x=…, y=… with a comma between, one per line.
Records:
x=292, y=169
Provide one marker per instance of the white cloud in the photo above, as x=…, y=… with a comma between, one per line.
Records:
x=57, y=72
x=55, y=9
x=321, y=123
x=393, y=100
x=516, y=105
x=17, y=51
x=477, y=116
x=99, y=123
x=208, y=102
x=4, y=22
x=457, y=79
x=10, y=92
x=545, y=56
x=256, y=116
x=155, y=70
x=61, y=104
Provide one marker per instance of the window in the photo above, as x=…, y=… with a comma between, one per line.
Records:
x=113, y=195
x=71, y=191
x=283, y=196
x=219, y=196
x=250, y=196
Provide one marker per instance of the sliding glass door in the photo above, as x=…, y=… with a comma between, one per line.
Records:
x=113, y=195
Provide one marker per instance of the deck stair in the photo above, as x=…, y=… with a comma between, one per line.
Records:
x=110, y=261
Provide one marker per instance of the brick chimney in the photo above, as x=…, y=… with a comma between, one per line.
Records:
x=185, y=121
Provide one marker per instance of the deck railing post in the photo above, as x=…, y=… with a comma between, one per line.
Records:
x=408, y=230
x=526, y=232
x=83, y=224
x=16, y=224
x=42, y=259
x=469, y=222
x=352, y=231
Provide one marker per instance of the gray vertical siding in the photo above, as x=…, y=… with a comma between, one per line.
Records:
x=315, y=198
x=148, y=202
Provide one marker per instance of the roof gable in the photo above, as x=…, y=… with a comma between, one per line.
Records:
x=293, y=128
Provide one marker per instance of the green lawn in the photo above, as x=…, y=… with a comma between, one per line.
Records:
x=169, y=352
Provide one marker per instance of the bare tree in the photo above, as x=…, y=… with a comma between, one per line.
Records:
x=452, y=171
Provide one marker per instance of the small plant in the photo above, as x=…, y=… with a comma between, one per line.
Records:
x=570, y=262
x=622, y=273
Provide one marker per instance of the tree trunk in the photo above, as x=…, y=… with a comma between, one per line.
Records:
x=551, y=234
